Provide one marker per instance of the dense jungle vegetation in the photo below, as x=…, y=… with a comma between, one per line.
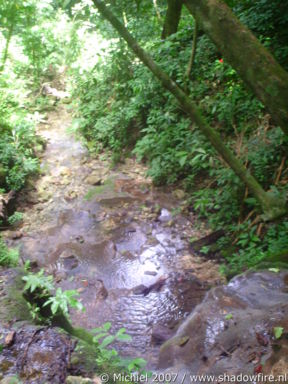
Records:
x=121, y=108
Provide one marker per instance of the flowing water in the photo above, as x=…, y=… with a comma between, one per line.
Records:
x=122, y=245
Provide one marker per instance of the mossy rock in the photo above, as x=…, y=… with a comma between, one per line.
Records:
x=106, y=187
x=12, y=303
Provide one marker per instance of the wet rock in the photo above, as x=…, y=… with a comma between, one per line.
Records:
x=96, y=177
x=66, y=254
x=151, y=273
x=169, y=223
x=179, y=194
x=139, y=290
x=65, y=181
x=128, y=255
x=16, y=235
x=59, y=276
x=13, y=305
x=9, y=339
x=161, y=333
x=68, y=260
x=155, y=287
x=114, y=200
x=94, y=180
x=37, y=355
x=44, y=196
x=257, y=302
x=102, y=292
x=110, y=224
x=80, y=239
x=71, y=195
x=65, y=172
x=165, y=216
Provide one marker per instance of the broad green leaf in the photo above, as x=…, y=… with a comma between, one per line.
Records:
x=120, y=331
x=99, y=336
x=124, y=337
x=107, y=326
x=108, y=340
x=278, y=331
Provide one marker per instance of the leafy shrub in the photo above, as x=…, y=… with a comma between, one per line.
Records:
x=15, y=218
x=17, y=137
x=8, y=257
x=17, y=155
x=56, y=298
x=109, y=358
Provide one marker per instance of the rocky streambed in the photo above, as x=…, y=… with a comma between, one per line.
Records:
x=124, y=246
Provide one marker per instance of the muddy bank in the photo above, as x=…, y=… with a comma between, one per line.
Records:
x=232, y=331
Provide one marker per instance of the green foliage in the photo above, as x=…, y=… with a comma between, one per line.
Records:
x=250, y=249
x=278, y=332
x=38, y=280
x=109, y=358
x=8, y=257
x=36, y=40
x=63, y=300
x=15, y=218
x=57, y=299
x=17, y=137
x=268, y=20
x=122, y=108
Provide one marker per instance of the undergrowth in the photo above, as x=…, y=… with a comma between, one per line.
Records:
x=8, y=257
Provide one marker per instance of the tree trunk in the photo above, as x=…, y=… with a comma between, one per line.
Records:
x=271, y=207
x=193, y=51
x=254, y=63
x=6, y=50
x=155, y=5
x=172, y=18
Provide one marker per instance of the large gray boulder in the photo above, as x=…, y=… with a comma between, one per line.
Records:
x=232, y=330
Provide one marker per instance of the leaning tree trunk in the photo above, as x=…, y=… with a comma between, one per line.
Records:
x=254, y=63
x=172, y=18
x=271, y=207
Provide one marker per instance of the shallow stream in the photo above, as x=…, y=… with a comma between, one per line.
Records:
x=120, y=242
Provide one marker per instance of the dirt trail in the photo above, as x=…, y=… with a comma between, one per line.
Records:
x=113, y=237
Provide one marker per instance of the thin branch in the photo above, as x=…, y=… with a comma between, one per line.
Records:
x=280, y=170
